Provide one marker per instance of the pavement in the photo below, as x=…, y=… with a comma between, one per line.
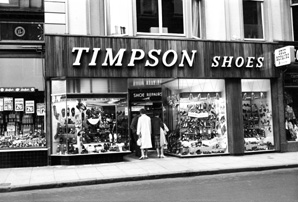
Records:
x=133, y=169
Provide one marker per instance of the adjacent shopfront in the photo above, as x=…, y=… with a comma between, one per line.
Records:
x=22, y=111
x=216, y=98
x=288, y=67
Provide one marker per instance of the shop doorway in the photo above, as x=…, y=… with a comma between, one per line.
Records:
x=149, y=99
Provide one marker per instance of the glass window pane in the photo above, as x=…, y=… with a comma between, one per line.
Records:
x=197, y=109
x=117, y=85
x=291, y=106
x=291, y=110
x=172, y=16
x=252, y=15
x=90, y=125
x=9, y=3
x=24, y=3
x=147, y=16
x=295, y=22
x=36, y=3
x=294, y=1
x=257, y=115
x=100, y=86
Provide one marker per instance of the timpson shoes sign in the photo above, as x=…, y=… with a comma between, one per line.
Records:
x=168, y=58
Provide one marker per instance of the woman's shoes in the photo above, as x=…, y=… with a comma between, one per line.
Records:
x=143, y=157
x=162, y=156
x=158, y=156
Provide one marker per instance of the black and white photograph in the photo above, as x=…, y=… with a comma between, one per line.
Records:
x=149, y=100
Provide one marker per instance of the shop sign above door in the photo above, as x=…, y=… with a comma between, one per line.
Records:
x=136, y=55
x=154, y=55
x=285, y=56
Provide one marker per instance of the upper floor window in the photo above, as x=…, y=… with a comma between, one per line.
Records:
x=160, y=16
x=295, y=19
x=253, y=19
x=22, y=4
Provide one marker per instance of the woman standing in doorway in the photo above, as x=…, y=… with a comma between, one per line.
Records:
x=157, y=124
x=144, y=132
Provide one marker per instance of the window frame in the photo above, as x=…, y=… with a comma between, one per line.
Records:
x=160, y=33
x=263, y=21
x=292, y=19
x=19, y=8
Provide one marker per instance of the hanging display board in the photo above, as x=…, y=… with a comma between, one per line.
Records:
x=30, y=107
x=40, y=109
x=8, y=104
x=19, y=104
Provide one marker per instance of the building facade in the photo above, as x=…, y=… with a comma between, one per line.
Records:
x=211, y=77
x=22, y=84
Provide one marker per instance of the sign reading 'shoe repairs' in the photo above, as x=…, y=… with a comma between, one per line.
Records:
x=285, y=56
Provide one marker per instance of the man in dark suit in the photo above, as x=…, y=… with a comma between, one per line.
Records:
x=133, y=127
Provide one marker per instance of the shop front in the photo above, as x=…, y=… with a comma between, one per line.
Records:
x=290, y=106
x=23, y=136
x=217, y=98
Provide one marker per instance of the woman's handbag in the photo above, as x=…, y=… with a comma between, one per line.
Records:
x=139, y=142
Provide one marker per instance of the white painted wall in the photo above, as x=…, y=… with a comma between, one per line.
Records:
x=55, y=17
x=234, y=20
x=77, y=17
x=119, y=14
x=215, y=19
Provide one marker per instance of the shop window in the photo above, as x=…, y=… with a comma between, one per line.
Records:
x=257, y=115
x=253, y=19
x=22, y=113
x=291, y=107
x=295, y=19
x=88, y=123
x=196, y=114
x=22, y=103
x=160, y=16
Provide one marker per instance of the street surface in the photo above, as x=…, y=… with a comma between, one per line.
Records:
x=272, y=186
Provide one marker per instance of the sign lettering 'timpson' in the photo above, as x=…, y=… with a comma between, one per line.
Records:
x=169, y=58
x=136, y=55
